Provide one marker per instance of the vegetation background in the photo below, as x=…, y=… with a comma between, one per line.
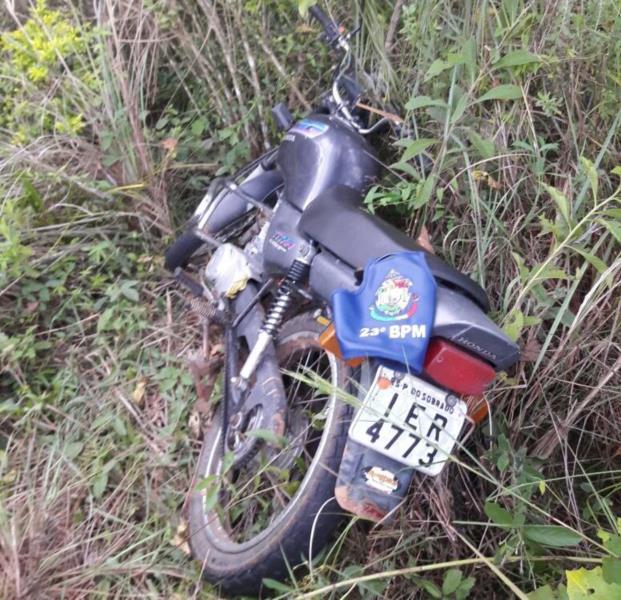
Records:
x=113, y=116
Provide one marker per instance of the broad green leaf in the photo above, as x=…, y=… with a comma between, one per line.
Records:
x=439, y=65
x=548, y=227
x=617, y=171
x=551, y=535
x=304, y=5
x=100, y=483
x=521, y=265
x=129, y=291
x=611, y=568
x=211, y=498
x=599, y=265
x=436, y=67
x=613, y=544
x=544, y=593
x=406, y=168
x=272, y=584
x=460, y=109
x=416, y=147
x=548, y=272
x=613, y=227
x=591, y=173
x=498, y=515
x=515, y=323
x=455, y=58
x=374, y=588
x=227, y=462
x=589, y=584
x=507, y=91
x=205, y=483
x=452, y=579
x=425, y=193
x=517, y=58
x=72, y=449
x=104, y=319
x=430, y=587
x=562, y=204
x=423, y=102
x=485, y=148
x=198, y=126
x=268, y=436
x=466, y=585
x=469, y=52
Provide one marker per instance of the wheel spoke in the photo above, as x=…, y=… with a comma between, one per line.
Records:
x=254, y=495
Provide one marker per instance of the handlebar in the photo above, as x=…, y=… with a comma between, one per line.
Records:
x=330, y=28
x=339, y=40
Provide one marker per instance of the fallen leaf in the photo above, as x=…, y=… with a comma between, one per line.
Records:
x=485, y=177
x=216, y=349
x=194, y=424
x=169, y=144
x=138, y=393
x=531, y=349
x=180, y=539
x=424, y=241
x=31, y=307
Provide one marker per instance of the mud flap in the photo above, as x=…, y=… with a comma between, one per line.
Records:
x=369, y=484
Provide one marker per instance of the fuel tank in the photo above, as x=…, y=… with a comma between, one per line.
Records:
x=321, y=151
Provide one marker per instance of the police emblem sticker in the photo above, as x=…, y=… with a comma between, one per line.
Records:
x=394, y=299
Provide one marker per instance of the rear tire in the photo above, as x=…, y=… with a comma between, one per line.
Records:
x=238, y=566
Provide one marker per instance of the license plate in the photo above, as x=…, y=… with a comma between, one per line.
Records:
x=409, y=420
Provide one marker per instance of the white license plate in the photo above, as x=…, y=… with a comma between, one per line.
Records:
x=409, y=420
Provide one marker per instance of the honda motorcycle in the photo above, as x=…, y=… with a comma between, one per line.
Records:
x=353, y=358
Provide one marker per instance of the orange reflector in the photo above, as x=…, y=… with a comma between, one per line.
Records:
x=477, y=408
x=328, y=341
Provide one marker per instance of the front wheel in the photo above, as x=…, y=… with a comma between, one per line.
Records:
x=251, y=521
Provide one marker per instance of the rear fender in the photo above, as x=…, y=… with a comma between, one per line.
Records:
x=370, y=485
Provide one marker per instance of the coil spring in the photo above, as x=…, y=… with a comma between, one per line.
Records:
x=284, y=297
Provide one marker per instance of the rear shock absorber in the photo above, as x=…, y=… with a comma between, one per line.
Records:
x=284, y=296
x=274, y=318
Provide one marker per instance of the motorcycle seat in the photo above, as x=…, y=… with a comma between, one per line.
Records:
x=337, y=221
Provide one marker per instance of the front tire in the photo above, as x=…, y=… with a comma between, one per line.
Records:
x=235, y=561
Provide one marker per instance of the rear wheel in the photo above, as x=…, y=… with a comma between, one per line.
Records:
x=250, y=521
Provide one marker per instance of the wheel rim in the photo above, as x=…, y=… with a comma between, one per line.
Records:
x=251, y=499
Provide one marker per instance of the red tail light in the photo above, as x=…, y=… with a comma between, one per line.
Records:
x=456, y=369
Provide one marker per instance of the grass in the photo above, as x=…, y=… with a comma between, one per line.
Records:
x=104, y=155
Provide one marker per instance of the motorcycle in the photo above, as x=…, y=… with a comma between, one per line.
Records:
x=353, y=358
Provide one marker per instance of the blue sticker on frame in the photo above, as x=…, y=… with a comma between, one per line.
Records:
x=309, y=128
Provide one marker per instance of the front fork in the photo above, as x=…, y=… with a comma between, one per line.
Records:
x=268, y=393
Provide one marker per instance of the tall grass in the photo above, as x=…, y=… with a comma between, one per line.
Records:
x=102, y=158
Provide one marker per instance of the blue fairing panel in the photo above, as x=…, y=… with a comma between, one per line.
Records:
x=391, y=314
